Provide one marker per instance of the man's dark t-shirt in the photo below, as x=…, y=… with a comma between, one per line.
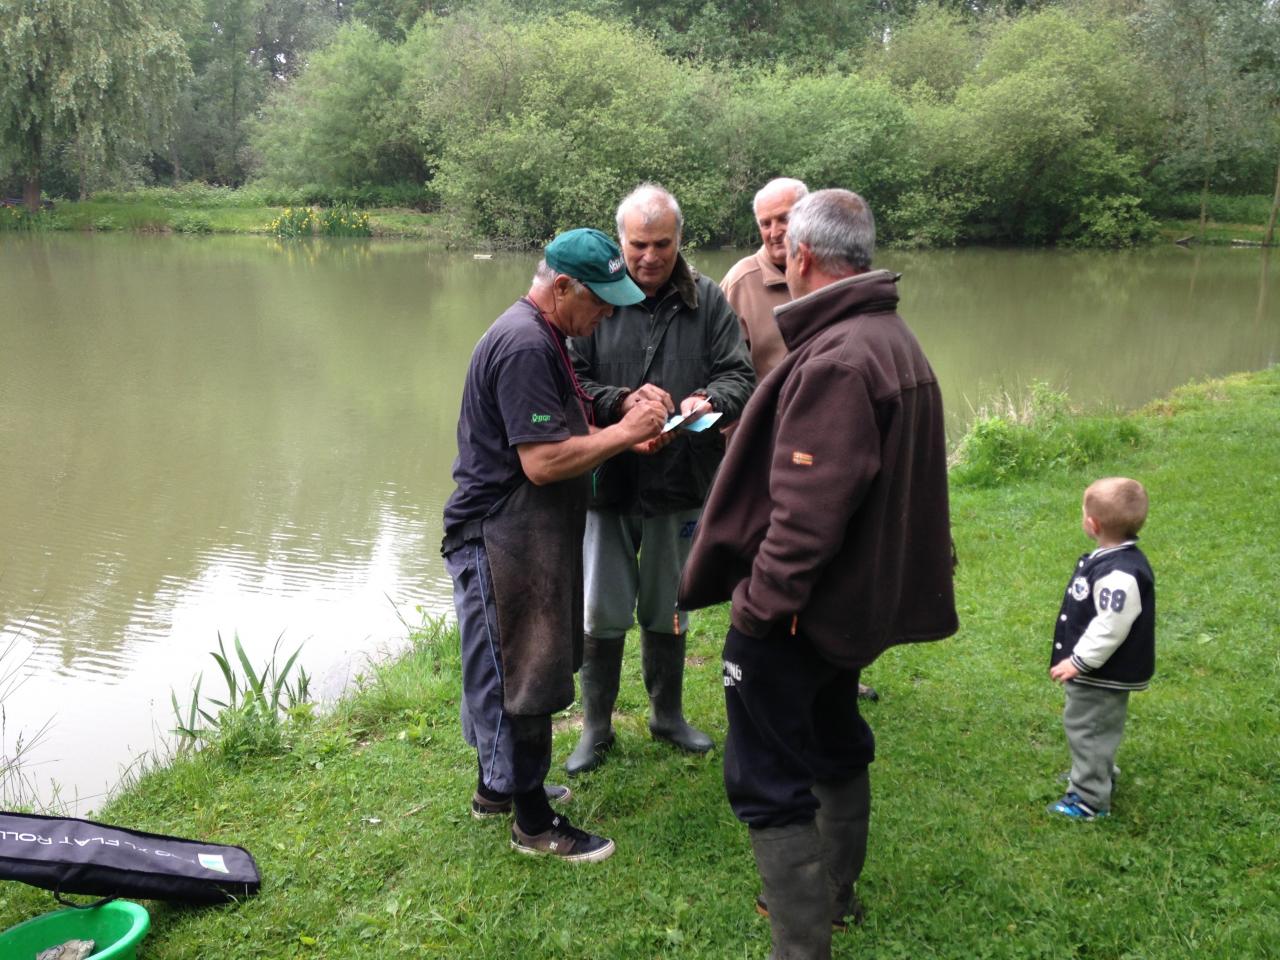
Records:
x=516, y=390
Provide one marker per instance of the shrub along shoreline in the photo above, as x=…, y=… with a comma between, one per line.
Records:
x=196, y=209
x=359, y=818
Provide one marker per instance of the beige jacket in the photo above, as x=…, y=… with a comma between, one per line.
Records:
x=753, y=287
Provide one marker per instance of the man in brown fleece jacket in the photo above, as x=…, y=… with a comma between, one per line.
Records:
x=828, y=528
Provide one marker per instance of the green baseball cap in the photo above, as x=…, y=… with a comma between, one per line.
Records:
x=591, y=257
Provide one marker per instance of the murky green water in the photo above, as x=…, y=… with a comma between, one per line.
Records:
x=231, y=435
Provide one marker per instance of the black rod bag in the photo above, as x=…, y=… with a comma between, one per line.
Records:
x=79, y=856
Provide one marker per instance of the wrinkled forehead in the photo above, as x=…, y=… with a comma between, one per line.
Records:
x=649, y=224
x=776, y=203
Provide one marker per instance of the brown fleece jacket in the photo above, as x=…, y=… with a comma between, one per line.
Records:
x=831, y=504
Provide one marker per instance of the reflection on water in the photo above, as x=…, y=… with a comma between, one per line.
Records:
x=236, y=435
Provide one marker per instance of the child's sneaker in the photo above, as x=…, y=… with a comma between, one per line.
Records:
x=562, y=839
x=483, y=808
x=1072, y=806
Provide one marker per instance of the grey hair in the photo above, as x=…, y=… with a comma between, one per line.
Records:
x=838, y=227
x=652, y=200
x=544, y=275
x=777, y=185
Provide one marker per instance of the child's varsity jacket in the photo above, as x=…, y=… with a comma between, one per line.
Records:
x=1107, y=624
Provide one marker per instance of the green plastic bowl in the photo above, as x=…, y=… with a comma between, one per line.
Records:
x=115, y=927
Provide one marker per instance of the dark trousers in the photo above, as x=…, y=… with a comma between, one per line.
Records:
x=514, y=752
x=793, y=722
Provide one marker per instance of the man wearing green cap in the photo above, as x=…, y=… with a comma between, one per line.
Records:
x=513, y=531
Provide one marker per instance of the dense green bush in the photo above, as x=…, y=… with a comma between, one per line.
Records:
x=1041, y=433
x=192, y=222
x=1117, y=221
x=537, y=127
x=345, y=120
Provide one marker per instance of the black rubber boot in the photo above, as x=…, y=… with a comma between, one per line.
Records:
x=662, y=663
x=601, y=668
x=843, y=821
x=789, y=861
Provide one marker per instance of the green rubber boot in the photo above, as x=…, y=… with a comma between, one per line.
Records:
x=843, y=821
x=601, y=668
x=789, y=861
x=662, y=663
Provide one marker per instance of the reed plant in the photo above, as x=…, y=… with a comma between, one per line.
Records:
x=249, y=719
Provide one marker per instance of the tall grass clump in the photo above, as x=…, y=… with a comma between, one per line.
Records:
x=250, y=720
x=18, y=220
x=1012, y=439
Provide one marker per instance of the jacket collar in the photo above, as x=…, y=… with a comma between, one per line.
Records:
x=684, y=281
x=868, y=292
x=769, y=271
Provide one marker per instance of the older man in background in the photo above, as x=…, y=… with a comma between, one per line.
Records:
x=828, y=528
x=755, y=285
x=681, y=345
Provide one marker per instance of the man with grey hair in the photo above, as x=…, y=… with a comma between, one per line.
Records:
x=828, y=528
x=755, y=285
x=682, y=345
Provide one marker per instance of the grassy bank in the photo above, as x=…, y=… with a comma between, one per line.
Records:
x=359, y=820
x=196, y=209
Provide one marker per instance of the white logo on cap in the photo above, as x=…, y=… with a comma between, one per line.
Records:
x=615, y=265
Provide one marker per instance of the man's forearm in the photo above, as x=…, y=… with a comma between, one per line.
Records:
x=545, y=463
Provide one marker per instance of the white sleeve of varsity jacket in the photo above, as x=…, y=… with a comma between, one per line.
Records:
x=1119, y=603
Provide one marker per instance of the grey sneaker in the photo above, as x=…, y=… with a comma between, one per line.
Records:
x=563, y=840
x=485, y=809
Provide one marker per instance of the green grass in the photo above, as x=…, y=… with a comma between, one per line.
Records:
x=361, y=829
x=199, y=209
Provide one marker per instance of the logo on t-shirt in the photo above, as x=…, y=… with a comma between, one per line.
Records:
x=540, y=418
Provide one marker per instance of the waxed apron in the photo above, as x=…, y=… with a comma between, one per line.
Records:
x=534, y=542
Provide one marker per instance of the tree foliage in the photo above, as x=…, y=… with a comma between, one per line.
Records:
x=1031, y=121
x=346, y=120
x=102, y=74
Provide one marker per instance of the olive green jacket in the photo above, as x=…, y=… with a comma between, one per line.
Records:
x=691, y=343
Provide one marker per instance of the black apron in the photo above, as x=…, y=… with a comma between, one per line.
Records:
x=534, y=542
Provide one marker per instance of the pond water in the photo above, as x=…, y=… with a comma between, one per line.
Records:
x=234, y=436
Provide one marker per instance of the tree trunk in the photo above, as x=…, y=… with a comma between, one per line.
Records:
x=84, y=175
x=1275, y=205
x=1204, y=205
x=31, y=192
x=177, y=165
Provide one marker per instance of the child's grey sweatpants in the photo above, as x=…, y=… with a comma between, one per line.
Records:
x=1093, y=719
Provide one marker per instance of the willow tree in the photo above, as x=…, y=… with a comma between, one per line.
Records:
x=102, y=74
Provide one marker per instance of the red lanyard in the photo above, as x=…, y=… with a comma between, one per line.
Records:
x=584, y=399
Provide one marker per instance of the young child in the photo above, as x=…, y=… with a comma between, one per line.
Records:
x=1104, y=643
